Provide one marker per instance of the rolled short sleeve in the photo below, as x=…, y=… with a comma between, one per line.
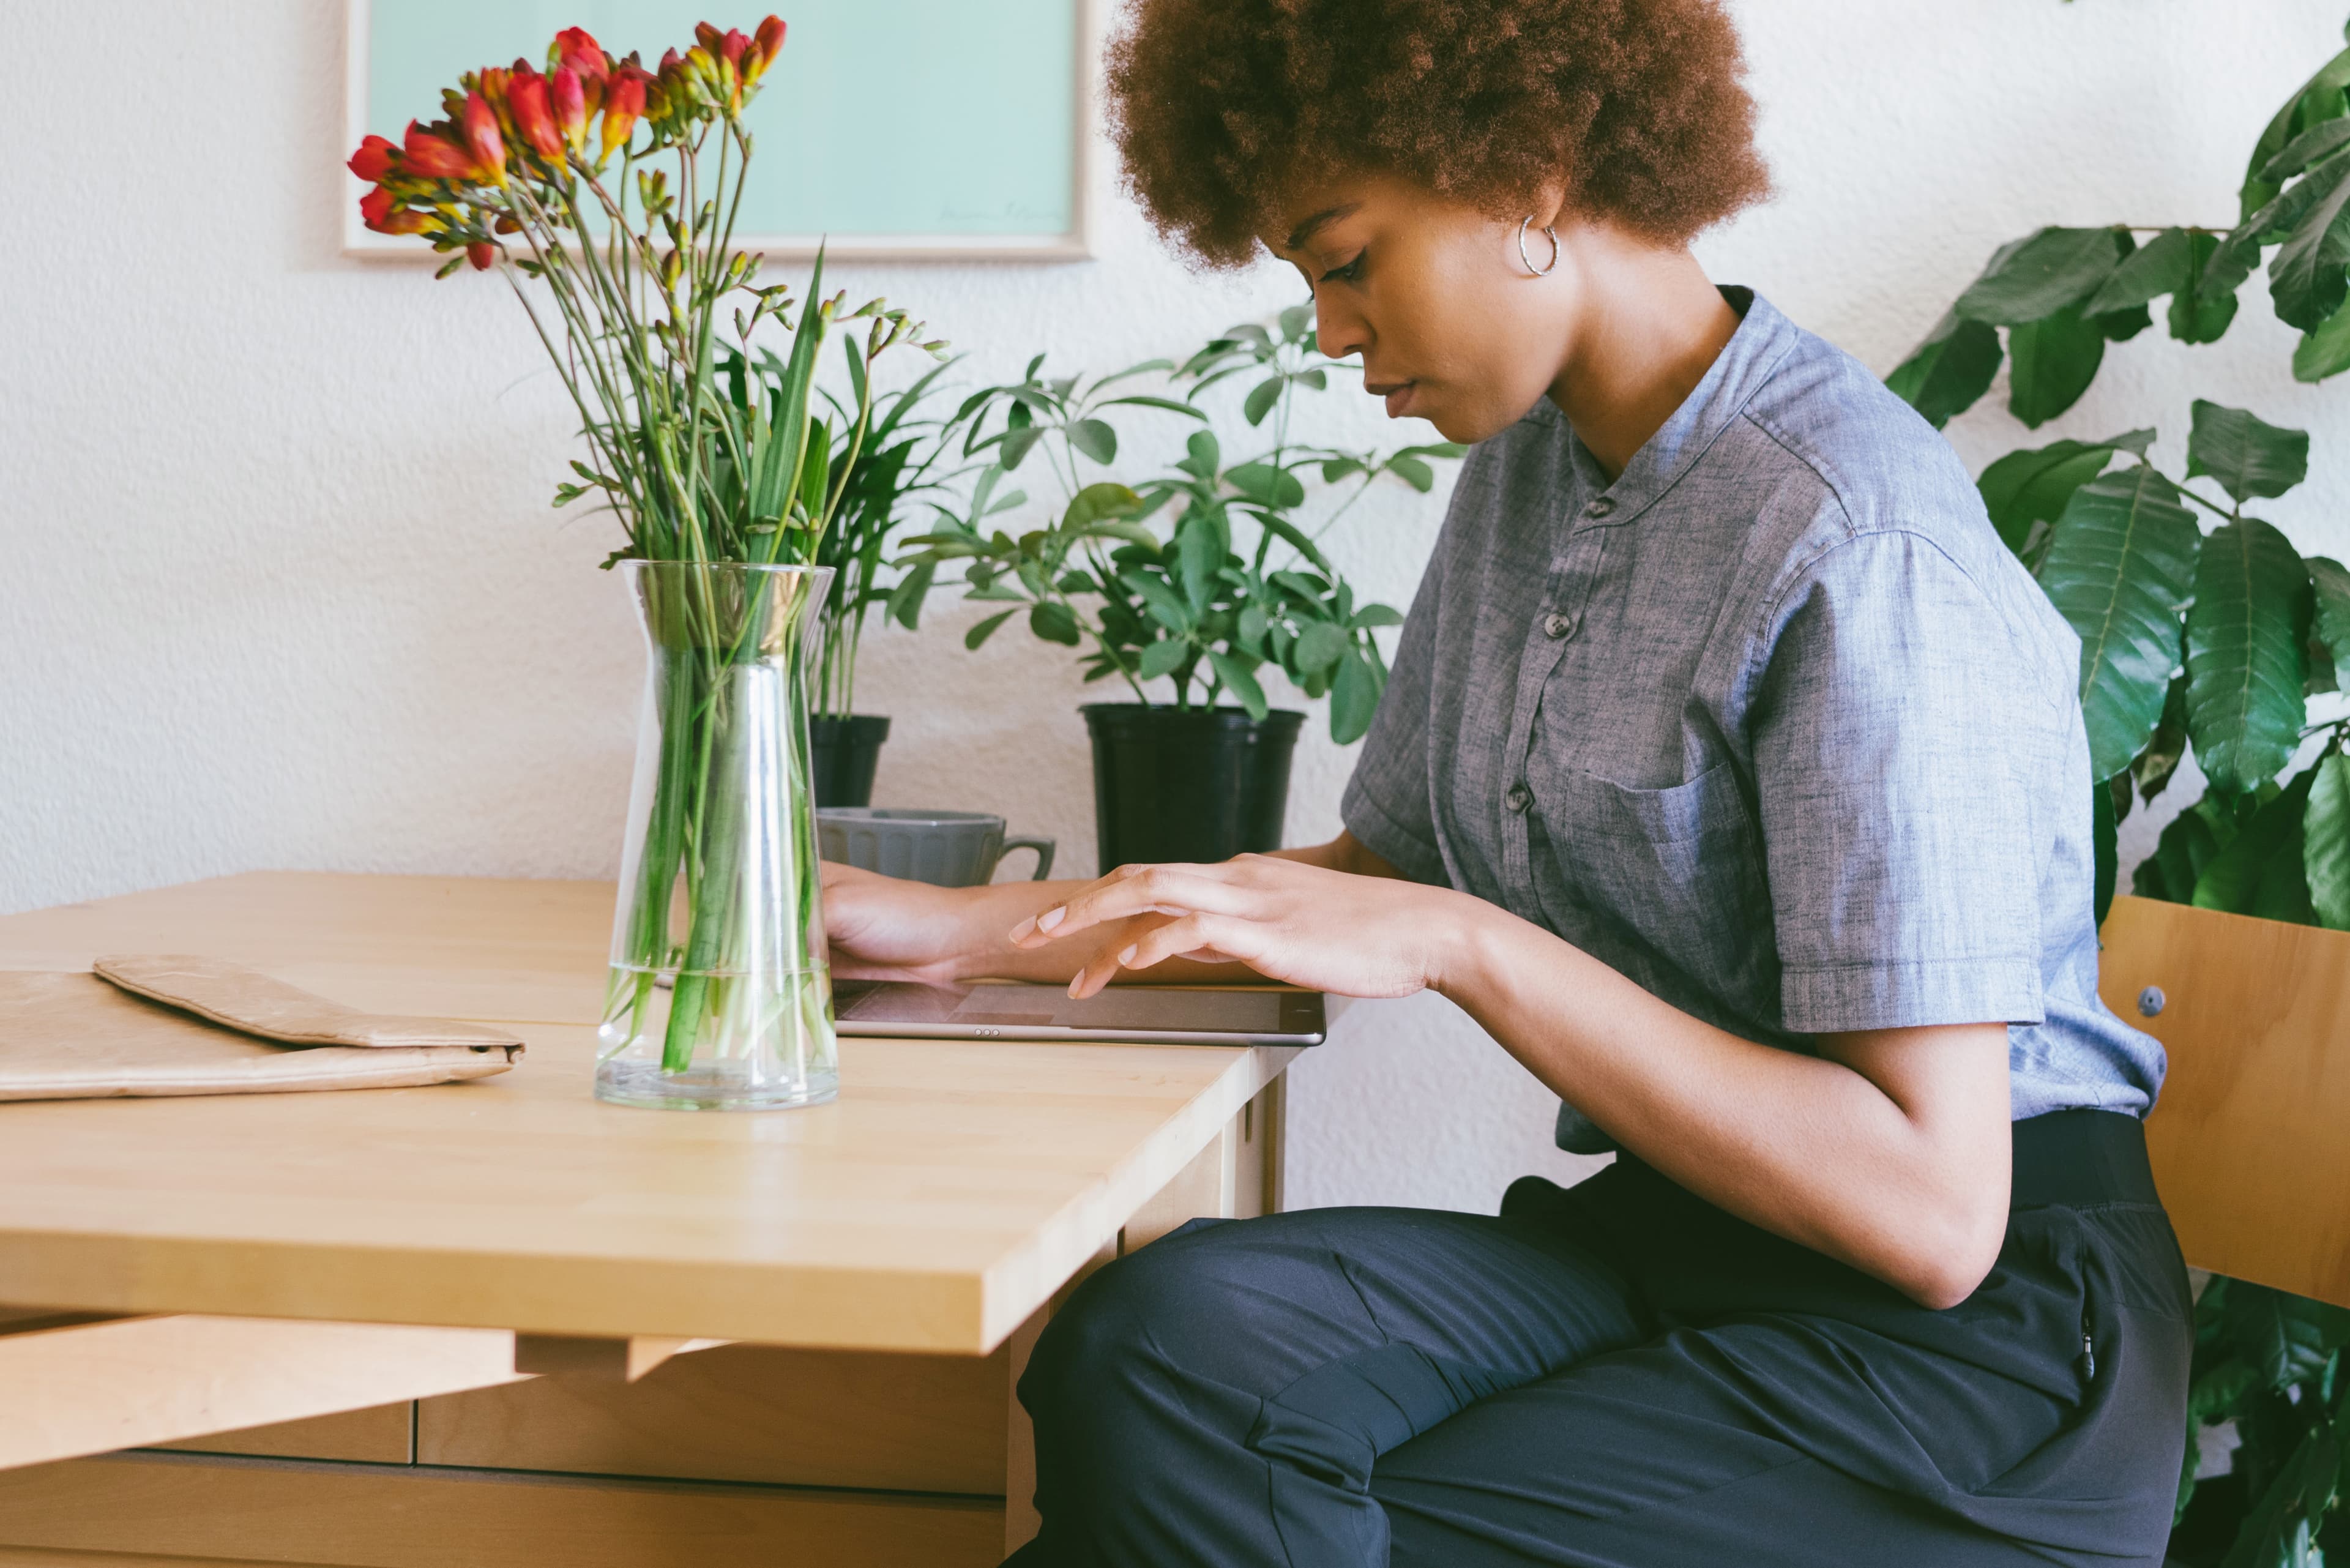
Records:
x=1895, y=723
x=1388, y=804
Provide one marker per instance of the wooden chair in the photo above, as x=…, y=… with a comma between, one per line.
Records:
x=2250, y=1138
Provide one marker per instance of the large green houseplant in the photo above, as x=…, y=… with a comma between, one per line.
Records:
x=2214, y=642
x=1185, y=584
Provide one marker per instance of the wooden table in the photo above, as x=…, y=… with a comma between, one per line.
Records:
x=464, y=1307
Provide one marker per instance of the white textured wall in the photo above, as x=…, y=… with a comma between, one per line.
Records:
x=282, y=589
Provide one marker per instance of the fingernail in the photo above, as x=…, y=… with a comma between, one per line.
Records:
x=1051, y=917
x=1077, y=982
x=1125, y=957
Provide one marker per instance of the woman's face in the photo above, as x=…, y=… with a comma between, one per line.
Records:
x=1451, y=327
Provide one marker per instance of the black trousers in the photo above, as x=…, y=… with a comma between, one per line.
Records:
x=1622, y=1374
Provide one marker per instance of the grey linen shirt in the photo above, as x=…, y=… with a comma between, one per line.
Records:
x=1773, y=725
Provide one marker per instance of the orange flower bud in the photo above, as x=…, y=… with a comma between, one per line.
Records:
x=482, y=136
x=570, y=107
x=434, y=156
x=482, y=255
x=526, y=100
x=710, y=37
x=372, y=161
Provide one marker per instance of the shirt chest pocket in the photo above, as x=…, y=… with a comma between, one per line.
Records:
x=1677, y=870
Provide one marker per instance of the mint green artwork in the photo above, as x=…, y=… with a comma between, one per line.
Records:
x=887, y=127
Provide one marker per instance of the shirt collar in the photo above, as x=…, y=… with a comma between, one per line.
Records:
x=1746, y=362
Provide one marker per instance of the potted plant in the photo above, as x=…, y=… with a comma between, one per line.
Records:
x=883, y=470
x=1231, y=580
x=2212, y=642
x=618, y=246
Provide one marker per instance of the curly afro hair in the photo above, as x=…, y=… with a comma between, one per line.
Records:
x=1221, y=107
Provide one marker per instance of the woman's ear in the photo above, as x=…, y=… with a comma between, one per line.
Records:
x=1548, y=205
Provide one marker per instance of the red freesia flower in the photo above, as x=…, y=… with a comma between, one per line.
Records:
x=575, y=47
x=710, y=38
x=434, y=156
x=482, y=255
x=376, y=211
x=624, y=101
x=570, y=107
x=526, y=100
x=482, y=136
x=372, y=161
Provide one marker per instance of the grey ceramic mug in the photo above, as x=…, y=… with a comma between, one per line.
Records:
x=948, y=848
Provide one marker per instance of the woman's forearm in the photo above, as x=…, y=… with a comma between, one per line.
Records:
x=1890, y=1151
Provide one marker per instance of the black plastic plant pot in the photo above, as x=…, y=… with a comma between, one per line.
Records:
x=1203, y=784
x=845, y=752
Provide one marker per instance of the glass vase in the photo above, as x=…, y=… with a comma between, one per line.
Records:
x=721, y=993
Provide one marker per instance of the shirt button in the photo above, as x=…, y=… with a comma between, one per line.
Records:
x=1600, y=507
x=1519, y=798
x=1557, y=625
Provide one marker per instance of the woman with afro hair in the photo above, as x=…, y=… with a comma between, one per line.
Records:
x=1731, y=777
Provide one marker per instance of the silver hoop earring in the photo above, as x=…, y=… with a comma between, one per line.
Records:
x=1532, y=271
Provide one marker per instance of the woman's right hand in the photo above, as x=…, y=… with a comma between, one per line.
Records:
x=883, y=928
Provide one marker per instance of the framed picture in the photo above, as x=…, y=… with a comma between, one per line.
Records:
x=887, y=128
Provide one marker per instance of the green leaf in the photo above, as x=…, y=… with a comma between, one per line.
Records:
x=1260, y=398
x=905, y=605
x=2156, y=268
x=2233, y=880
x=2306, y=277
x=1413, y=472
x=1165, y=607
x=2311, y=147
x=2034, y=485
x=1253, y=624
x=2247, y=455
x=2317, y=100
x=2331, y=584
x=1370, y=615
x=1199, y=551
x=1240, y=681
x=2052, y=270
x=1267, y=485
x=1204, y=456
x=2324, y=352
x=2285, y=1338
x=1296, y=322
x=1095, y=439
x=1320, y=646
x=2187, y=846
x=2205, y=301
x=1162, y=658
x=1170, y=405
x=2103, y=829
x=1018, y=443
x=1096, y=503
x=1354, y=699
x=2119, y=567
x=2168, y=748
x=1948, y=372
x=2325, y=841
x=2245, y=660
x=2055, y=360
x=1054, y=622
x=2121, y=326
x=985, y=629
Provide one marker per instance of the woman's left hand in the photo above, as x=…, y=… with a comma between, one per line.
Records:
x=1326, y=930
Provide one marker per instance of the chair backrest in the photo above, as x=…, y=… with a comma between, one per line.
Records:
x=2250, y=1138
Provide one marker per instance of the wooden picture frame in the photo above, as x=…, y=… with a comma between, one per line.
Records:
x=1070, y=241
